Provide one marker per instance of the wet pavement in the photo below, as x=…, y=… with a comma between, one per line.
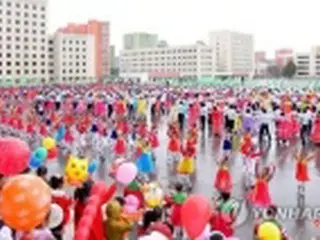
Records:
x=283, y=187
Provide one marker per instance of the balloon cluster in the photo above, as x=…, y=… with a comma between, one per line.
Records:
x=47, y=151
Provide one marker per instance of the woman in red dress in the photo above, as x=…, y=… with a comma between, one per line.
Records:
x=173, y=148
x=302, y=173
x=175, y=201
x=120, y=146
x=223, y=180
x=217, y=121
x=259, y=195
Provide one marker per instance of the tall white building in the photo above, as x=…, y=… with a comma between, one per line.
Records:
x=73, y=57
x=234, y=52
x=23, y=39
x=139, y=40
x=193, y=61
x=308, y=64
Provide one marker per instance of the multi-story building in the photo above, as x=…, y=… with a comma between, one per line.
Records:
x=193, y=61
x=74, y=57
x=100, y=32
x=139, y=40
x=234, y=52
x=308, y=64
x=283, y=56
x=112, y=54
x=23, y=40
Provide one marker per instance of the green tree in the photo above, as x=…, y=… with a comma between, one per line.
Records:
x=289, y=70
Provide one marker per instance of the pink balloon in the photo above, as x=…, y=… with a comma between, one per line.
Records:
x=126, y=173
x=132, y=204
x=14, y=156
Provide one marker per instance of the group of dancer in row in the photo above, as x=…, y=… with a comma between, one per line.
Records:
x=115, y=122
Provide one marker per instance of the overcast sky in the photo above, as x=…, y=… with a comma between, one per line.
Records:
x=274, y=23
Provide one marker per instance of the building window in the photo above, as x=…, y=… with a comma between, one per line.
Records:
x=34, y=32
x=8, y=29
x=18, y=39
x=18, y=72
x=8, y=55
x=8, y=4
x=18, y=47
x=43, y=9
x=34, y=48
x=8, y=72
x=26, y=47
x=18, y=55
x=26, y=30
x=26, y=71
x=17, y=30
x=34, y=7
x=8, y=38
x=43, y=32
x=18, y=14
x=8, y=64
x=17, y=63
x=34, y=15
x=34, y=64
x=34, y=24
x=43, y=16
x=43, y=71
x=34, y=71
x=34, y=55
x=26, y=63
x=26, y=23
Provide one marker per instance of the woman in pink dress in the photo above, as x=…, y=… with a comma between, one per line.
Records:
x=283, y=129
x=217, y=121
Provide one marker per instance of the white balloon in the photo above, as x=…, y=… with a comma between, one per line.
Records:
x=56, y=216
x=6, y=233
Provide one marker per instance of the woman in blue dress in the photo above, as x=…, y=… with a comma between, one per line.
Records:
x=145, y=164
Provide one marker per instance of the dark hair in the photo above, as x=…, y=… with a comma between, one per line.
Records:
x=42, y=171
x=82, y=193
x=179, y=187
x=272, y=211
x=225, y=196
x=56, y=182
x=148, y=218
x=120, y=200
x=217, y=236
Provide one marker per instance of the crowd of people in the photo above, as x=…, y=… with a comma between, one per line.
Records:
x=116, y=124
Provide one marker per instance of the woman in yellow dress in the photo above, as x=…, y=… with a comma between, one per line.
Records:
x=186, y=164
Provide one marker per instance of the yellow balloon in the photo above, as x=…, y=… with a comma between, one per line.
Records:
x=48, y=143
x=153, y=195
x=76, y=170
x=269, y=231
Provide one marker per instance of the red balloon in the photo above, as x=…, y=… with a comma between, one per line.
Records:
x=52, y=153
x=195, y=214
x=14, y=156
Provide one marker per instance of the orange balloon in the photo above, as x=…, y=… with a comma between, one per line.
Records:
x=25, y=202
